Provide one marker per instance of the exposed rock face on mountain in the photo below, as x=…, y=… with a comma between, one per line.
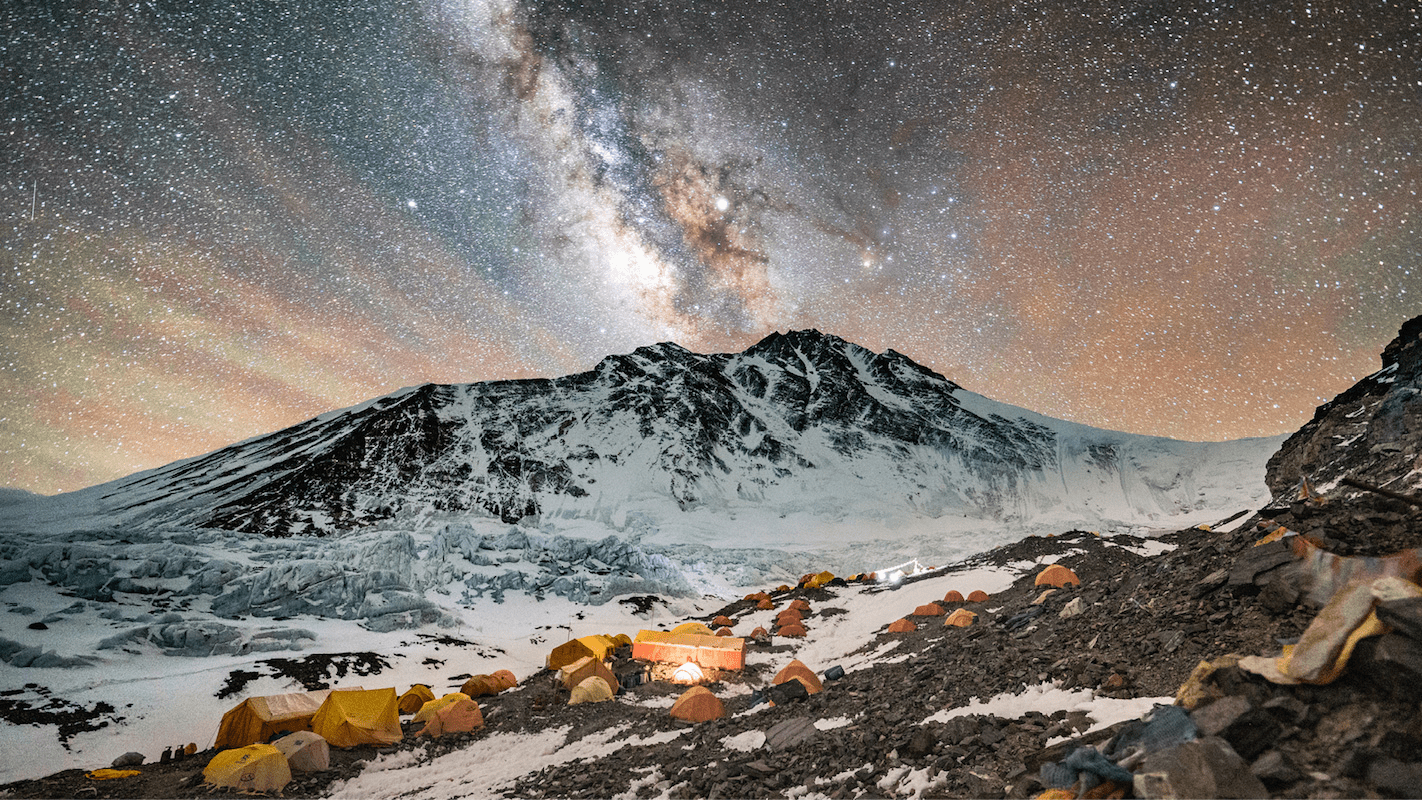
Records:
x=1371, y=430
x=799, y=423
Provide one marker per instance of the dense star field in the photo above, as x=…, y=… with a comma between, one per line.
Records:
x=216, y=220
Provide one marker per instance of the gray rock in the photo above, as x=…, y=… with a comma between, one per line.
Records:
x=1404, y=616
x=790, y=732
x=1251, y=566
x=1396, y=777
x=129, y=759
x=1392, y=661
x=1206, y=767
x=1274, y=769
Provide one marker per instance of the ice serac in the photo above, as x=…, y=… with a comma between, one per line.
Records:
x=1369, y=432
x=800, y=423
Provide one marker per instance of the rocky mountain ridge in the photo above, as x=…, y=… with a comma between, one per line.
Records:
x=799, y=422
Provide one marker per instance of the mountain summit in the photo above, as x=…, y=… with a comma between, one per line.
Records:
x=800, y=422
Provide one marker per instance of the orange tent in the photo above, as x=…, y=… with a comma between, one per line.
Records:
x=428, y=709
x=509, y=680
x=784, y=587
x=698, y=704
x=797, y=671
x=902, y=626
x=723, y=621
x=961, y=618
x=793, y=631
x=724, y=632
x=953, y=596
x=458, y=717
x=760, y=633
x=1057, y=575
x=928, y=610
x=800, y=604
x=584, y=668
x=787, y=616
x=411, y=701
x=482, y=686
x=977, y=596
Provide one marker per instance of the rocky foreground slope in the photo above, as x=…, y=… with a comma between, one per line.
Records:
x=1144, y=624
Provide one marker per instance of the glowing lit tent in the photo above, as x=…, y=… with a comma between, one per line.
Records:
x=698, y=704
x=370, y=716
x=254, y=768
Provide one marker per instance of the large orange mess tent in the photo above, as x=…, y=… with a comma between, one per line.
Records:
x=348, y=719
x=258, y=719
x=720, y=652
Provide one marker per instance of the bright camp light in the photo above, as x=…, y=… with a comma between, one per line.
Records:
x=687, y=673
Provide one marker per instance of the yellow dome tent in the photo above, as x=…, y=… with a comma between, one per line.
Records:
x=348, y=719
x=254, y=768
x=592, y=690
x=417, y=696
x=693, y=627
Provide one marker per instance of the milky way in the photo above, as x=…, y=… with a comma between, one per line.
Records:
x=1197, y=221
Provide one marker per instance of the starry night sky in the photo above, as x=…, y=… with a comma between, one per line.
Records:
x=1197, y=220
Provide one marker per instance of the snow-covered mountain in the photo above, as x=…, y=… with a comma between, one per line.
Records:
x=802, y=424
